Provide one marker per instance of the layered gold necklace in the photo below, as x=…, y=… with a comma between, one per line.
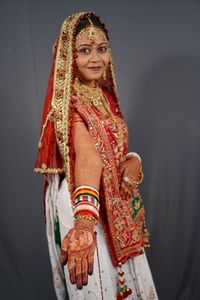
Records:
x=94, y=94
x=96, y=97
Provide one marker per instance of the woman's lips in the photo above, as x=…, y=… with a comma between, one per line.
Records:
x=95, y=69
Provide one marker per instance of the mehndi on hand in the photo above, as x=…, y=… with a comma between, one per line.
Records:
x=77, y=249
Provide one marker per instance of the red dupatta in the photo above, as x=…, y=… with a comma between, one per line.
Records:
x=122, y=220
x=49, y=159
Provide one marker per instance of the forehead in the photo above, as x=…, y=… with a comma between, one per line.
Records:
x=84, y=37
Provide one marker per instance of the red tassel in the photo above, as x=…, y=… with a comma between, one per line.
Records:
x=123, y=290
x=120, y=296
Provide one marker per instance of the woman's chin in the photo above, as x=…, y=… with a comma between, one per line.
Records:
x=91, y=77
x=95, y=77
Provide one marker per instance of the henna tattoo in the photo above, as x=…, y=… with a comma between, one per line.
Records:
x=80, y=240
x=79, y=246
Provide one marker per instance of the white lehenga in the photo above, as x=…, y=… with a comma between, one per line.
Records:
x=103, y=283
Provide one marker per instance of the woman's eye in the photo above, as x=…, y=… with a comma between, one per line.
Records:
x=102, y=49
x=85, y=50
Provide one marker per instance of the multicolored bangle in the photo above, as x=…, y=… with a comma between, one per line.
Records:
x=86, y=207
x=85, y=200
x=85, y=190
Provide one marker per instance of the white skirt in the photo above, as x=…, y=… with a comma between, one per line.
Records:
x=103, y=283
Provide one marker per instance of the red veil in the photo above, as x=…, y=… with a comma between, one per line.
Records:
x=49, y=159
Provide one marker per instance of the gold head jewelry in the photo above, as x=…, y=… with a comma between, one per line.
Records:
x=93, y=32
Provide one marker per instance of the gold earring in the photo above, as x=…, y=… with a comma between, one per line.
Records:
x=104, y=75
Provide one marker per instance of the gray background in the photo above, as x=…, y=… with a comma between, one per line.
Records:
x=156, y=49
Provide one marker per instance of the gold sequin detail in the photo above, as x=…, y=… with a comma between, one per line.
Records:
x=49, y=170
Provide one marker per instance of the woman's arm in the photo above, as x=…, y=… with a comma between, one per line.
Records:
x=78, y=246
x=88, y=164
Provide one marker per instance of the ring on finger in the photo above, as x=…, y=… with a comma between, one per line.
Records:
x=126, y=178
x=77, y=259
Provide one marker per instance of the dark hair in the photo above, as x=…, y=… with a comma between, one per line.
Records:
x=84, y=22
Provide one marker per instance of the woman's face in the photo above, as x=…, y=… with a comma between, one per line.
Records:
x=92, y=56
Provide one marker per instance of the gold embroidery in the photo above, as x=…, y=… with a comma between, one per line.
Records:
x=49, y=170
x=48, y=118
x=62, y=86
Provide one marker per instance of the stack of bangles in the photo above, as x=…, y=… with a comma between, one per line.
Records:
x=85, y=203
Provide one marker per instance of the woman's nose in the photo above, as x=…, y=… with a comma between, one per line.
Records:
x=95, y=56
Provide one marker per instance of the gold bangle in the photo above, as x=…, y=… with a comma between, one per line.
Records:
x=91, y=219
x=141, y=178
x=133, y=154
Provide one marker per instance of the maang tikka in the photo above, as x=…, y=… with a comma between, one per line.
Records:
x=93, y=32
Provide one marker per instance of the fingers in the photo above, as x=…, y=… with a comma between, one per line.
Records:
x=78, y=271
x=127, y=192
x=91, y=258
x=123, y=188
x=127, y=188
x=91, y=265
x=84, y=271
x=123, y=185
x=72, y=269
x=63, y=258
x=78, y=274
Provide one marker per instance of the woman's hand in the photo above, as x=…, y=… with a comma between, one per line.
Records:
x=129, y=172
x=78, y=248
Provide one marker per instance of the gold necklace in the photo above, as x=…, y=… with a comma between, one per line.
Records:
x=94, y=94
x=97, y=98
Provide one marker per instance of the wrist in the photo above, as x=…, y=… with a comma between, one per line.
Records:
x=83, y=223
x=85, y=201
